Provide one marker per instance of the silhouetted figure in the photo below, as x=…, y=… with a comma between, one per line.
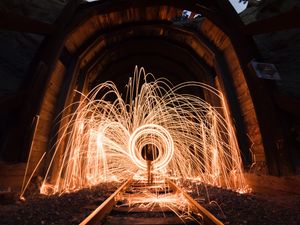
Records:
x=149, y=153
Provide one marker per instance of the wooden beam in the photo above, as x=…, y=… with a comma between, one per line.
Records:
x=227, y=83
x=104, y=209
x=284, y=21
x=15, y=22
x=138, y=30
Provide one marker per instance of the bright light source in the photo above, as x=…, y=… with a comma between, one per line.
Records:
x=104, y=138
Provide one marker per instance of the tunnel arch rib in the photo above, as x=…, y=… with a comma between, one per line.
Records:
x=97, y=28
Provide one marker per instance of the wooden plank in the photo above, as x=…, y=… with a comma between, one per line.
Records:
x=270, y=132
x=208, y=218
x=47, y=111
x=156, y=208
x=144, y=221
x=110, y=19
x=226, y=82
x=95, y=46
x=97, y=215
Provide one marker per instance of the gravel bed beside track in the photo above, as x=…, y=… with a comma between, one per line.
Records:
x=228, y=206
x=69, y=208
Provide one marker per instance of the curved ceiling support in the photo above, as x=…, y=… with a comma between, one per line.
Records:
x=269, y=141
x=193, y=43
x=154, y=46
x=95, y=32
x=166, y=38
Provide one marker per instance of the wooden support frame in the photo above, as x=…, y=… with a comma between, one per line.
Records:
x=274, y=141
x=74, y=22
x=53, y=48
x=219, y=63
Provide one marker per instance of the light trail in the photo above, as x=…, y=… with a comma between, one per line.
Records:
x=156, y=135
x=104, y=137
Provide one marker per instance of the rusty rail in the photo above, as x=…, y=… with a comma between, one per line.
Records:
x=107, y=206
x=208, y=218
x=98, y=214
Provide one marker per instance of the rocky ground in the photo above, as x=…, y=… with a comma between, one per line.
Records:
x=69, y=208
x=230, y=207
x=255, y=209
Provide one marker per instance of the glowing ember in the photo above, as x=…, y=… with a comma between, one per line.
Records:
x=105, y=137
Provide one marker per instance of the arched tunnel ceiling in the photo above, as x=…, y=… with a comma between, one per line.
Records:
x=105, y=39
x=157, y=54
x=117, y=23
x=176, y=45
x=102, y=41
x=105, y=42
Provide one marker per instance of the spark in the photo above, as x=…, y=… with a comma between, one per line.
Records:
x=103, y=139
x=160, y=198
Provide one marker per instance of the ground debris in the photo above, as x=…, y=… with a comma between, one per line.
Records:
x=228, y=206
x=233, y=208
x=68, y=208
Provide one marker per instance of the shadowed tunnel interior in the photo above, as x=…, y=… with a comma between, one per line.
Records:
x=92, y=42
x=100, y=41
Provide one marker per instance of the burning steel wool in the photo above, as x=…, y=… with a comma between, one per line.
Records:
x=106, y=137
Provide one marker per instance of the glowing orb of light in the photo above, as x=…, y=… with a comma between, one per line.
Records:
x=155, y=135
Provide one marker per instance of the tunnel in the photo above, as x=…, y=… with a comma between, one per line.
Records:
x=91, y=42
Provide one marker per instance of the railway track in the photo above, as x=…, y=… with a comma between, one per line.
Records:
x=162, y=202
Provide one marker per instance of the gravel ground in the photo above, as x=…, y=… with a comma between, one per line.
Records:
x=254, y=209
x=230, y=207
x=69, y=208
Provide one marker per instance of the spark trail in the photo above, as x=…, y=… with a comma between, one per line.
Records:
x=104, y=137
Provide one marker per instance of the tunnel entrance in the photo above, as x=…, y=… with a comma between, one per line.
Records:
x=150, y=152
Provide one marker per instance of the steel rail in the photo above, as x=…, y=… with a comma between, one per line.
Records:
x=208, y=218
x=105, y=208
